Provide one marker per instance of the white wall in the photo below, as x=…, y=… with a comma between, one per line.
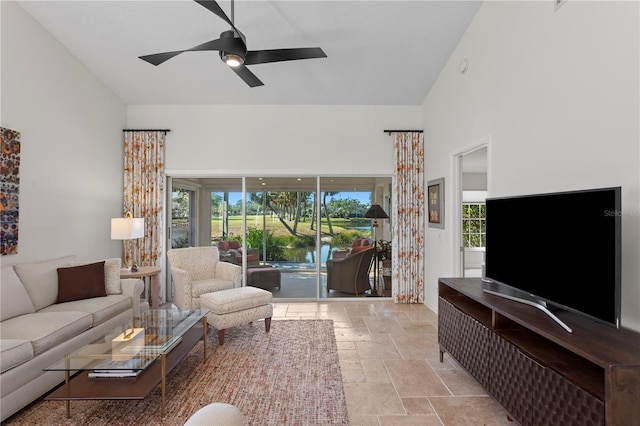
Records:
x=557, y=95
x=236, y=140
x=71, y=142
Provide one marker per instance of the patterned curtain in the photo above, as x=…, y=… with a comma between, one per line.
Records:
x=408, y=218
x=144, y=191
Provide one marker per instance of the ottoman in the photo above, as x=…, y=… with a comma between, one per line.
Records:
x=228, y=308
x=263, y=277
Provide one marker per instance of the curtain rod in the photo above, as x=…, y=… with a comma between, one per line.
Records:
x=403, y=131
x=147, y=130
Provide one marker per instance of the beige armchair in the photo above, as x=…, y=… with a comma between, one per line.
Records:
x=350, y=274
x=198, y=270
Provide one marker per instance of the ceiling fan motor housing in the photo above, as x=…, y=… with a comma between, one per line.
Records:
x=234, y=54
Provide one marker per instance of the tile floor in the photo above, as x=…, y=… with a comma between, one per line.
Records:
x=390, y=366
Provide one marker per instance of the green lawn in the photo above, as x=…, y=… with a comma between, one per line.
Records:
x=274, y=226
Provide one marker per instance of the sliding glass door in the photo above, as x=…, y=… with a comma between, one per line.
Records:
x=293, y=225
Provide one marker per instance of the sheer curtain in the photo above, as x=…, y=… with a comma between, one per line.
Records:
x=144, y=191
x=408, y=218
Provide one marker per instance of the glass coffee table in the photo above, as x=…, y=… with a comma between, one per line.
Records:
x=129, y=362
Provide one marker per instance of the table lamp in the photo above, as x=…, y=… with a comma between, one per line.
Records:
x=127, y=228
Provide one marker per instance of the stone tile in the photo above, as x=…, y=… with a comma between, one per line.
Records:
x=415, y=377
x=348, y=354
x=352, y=373
x=417, y=405
x=363, y=420
x=460, y=383
x=353, y=334
x=411, y=346
x=471, y=411
x=345, y=345
x=382, y=338
x=374, y=371
x=417, y=420
x=336, y=316
x=383, y=325
x=367, y=399
x=377, y=350
x=419, y=327
x=357, y=321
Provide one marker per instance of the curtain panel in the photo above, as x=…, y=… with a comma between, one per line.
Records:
x=408, y=218
x=144, y=192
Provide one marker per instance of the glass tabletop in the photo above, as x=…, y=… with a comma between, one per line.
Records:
x=129, y=349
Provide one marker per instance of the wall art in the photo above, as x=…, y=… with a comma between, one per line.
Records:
x=9, y=190
x=435, y=190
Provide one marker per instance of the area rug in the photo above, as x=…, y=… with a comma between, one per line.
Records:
x=289, y=376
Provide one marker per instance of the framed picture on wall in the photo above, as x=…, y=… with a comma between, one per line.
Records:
x=435, y=191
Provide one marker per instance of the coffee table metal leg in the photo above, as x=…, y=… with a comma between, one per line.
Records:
x=204, y=337
x=67, y=375
x=164, y=381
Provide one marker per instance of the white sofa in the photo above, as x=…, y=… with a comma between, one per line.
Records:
x=36, y=332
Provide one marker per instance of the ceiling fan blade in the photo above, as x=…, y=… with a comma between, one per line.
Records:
x=246, y=75
x=214, y=7
x=277, y=55
x=233, y=45
x=158, y=58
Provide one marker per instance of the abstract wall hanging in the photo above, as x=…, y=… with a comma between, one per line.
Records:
x=9, y=190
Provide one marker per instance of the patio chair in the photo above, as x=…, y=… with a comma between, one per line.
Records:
x=231, y=251
x=351, y=273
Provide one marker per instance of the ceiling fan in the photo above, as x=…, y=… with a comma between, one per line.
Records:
x=232, y=46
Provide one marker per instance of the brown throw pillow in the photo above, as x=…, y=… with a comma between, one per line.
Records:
x=81, y=282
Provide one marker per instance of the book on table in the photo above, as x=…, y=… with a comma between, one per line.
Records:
x=130, y=366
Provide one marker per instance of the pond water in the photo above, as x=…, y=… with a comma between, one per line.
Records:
x=308, y=254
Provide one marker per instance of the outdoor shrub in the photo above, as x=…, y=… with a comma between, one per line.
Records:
x=181, y=242
x=344, y=239
x=275, y=246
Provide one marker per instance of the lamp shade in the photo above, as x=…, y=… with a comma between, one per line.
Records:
x=376, y=212
x=127, y=228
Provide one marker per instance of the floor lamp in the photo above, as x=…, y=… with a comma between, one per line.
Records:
x=375, y=212
x=127, y=228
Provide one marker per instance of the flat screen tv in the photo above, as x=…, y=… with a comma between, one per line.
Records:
x=559, y=250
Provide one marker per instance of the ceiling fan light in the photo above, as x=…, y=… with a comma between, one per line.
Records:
x=233, y=60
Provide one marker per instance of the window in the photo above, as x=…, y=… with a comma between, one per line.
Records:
x=473, y=224
x=182, y=217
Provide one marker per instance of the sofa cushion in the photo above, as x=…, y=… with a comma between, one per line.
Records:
x=234, y=245
x=14, y=299
x=41, y=279
x=111, y=274
x=14, y=352
x=100, y=308
x=223, y=245
x=45, y=330
x=81, y=282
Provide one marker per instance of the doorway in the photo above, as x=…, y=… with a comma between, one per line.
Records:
x=471, y=193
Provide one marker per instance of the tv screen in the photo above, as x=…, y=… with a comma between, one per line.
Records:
x=563, y=248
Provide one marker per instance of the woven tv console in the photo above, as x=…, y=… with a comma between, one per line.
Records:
x=540, y=373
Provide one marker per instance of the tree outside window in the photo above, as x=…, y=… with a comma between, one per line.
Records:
x=473, y=224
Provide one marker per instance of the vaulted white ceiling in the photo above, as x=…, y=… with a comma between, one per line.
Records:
x=379, y=52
